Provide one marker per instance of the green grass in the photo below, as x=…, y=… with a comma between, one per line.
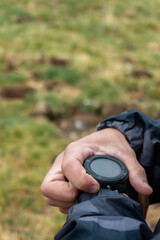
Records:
x=104, y=44
x=66, y=74
x=11, y=78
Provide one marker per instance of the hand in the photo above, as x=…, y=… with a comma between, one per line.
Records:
x=67, y=175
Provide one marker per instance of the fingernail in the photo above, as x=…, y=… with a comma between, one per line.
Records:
x=147, y=185
x=94, y=189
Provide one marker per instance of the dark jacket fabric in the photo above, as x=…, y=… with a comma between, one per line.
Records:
x=143, y=135
x=109, y=215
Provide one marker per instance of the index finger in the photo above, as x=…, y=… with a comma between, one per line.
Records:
x=55, y=185
x=72, y=168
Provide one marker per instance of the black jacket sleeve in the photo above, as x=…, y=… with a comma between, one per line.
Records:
x=107, y=215
x=143, y=135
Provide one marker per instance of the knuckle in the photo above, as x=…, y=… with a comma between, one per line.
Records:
x=132, y=153
x=51, y=202
x=67, y=162
x=43, y=189
x=65, y=165
x=63, y=210
x=82, y=184
x=48, y=200
x=139, y=170
x=70, y=147
x=73, y=195
x=128, y=152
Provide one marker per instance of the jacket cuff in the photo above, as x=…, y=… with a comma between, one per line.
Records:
x=134, y=133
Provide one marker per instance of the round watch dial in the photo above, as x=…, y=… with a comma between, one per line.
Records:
x=106, y=170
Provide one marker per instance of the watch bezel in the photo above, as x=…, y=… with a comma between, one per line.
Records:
x=105, y=181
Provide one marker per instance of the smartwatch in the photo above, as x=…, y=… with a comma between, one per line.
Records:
x=110, y=172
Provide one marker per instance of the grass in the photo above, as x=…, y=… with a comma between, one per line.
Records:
x=80, y=57
x=11, y=78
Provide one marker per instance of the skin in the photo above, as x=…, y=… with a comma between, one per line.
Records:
x=67, y=176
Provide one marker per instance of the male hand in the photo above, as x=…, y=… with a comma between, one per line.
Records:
x=67, y=175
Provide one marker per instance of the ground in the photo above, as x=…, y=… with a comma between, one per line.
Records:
x=64, y=67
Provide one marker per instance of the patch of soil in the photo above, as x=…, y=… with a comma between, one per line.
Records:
x=58, y=61
x=114, y=109
x=141, y=73
x=41, y=110
x=24, y=19
x=15, y=91
x=71, y=120
x=130, y=13
x=128, y=60
x=54, y=61
x=49, y=85
x=36, y=75
x=78, y=124
x=130, y=47
x=77, y=121
x=11, y=62
x=10, y=66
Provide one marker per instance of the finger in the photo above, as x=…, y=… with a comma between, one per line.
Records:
x=74, y=171
x=55, y=185
x=64, y=210
x=58, y=190
x=137, y=175
x=60, y=204
x=56, y=171
x=138, y=180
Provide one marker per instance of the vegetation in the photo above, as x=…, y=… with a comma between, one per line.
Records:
x=64, y=66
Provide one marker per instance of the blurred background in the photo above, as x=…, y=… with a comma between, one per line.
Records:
x=64, y=67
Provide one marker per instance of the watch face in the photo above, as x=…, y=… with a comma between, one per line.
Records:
x=106, y=170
